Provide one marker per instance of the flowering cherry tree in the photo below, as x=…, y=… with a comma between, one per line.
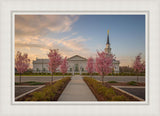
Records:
x=90, y=66
x=138, y=65
x=55, y=61
x=104, y=64
x=64, y=66
x=21, y=63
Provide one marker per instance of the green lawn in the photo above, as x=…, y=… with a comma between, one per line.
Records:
x=30, y=83
x=42, y=75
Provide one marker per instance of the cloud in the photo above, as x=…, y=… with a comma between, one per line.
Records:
x=38, y=25
x=67, y=46
x=75, y=33
x=31, y=36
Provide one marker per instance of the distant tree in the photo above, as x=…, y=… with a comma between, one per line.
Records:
x=55, y=61
x=104, y=64
x=64, y=66
x=90, y=66
x=126, y=69
x=21, y=63
x=138, y=65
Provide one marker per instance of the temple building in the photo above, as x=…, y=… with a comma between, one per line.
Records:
x=108, y=50
x=76, y=63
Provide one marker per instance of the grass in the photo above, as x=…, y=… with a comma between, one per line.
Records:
x=34, y=83
x=112, y=81
x=17, y=83
x=41, y=75
x=132, y=83
x=30, y=83
x=103, y=93
x=50, y=92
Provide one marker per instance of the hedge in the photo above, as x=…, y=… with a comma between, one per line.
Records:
x=49, y=92
x=103, y=93
x=49, y=74
x=118, y=74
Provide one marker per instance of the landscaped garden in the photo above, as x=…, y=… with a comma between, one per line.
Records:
x=105, y=92
x=50, y=92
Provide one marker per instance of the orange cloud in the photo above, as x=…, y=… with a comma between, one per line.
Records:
x=37, y=25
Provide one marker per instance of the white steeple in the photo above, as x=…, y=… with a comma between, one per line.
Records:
x=107, y=49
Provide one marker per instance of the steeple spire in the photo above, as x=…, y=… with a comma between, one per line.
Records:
x=107, y=37
x=108, y=48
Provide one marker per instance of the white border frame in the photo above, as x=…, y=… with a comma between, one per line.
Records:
x=146, y=13
x=6, y=106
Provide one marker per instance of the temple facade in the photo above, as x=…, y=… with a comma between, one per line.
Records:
x=76, y=63
x=108, y=50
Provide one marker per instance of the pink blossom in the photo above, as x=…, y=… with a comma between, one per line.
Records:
x=104, y=63
x=138, y=65
x=90, y=65
x=21, y=63
x=55, y=60
x=64, y=66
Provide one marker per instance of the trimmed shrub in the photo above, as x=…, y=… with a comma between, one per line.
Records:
x=112, y=81
x=34, y=83
x=49, y=92
x=108, y=94
x=119, y=98
x=132, y=83
x=30, y=83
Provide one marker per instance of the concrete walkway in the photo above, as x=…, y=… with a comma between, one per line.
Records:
x=77, y=90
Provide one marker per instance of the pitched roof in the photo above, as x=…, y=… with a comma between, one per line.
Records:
x=76, y=56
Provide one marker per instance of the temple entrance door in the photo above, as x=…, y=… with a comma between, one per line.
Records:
x=76, y=68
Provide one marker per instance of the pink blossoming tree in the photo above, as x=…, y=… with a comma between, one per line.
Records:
x=55, y=61
x=104, y=64
x=64, y=66
x=90, y=66
x=21, y=63
x=138, y=65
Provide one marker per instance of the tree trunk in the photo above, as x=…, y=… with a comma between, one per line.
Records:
x=52, y=78
x=137, y=78
x=19, y=77
x=103, y=79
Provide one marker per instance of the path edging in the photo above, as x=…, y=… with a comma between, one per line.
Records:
x=138, y=98
x=29, y=92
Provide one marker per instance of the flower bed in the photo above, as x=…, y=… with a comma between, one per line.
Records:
x=50, y=92
x=104, y=93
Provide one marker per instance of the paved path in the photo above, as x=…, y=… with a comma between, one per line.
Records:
x=139, y=92
x=106, y=78
x=77, y=90
x=22, y=90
